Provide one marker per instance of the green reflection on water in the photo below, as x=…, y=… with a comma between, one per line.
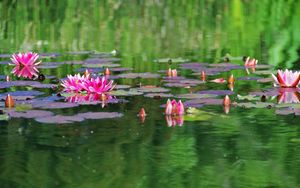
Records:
x=255, y=148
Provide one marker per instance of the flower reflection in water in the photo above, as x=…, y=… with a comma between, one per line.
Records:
x=288, y=95
x=172, y=121
x=92, y=97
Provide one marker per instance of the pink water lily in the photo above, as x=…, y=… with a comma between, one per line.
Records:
x=74, y=83
x=250, y=62
x=287, y=78
x=97, y=85
x=85, y=83
x=25, y=64
x=174, y=108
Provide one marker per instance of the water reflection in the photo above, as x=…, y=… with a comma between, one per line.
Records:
x=288, y=95
x=172, y=121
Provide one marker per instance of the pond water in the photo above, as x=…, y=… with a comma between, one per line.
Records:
x=52, y=141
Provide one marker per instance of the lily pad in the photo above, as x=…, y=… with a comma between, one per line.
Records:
x=103, y=65
x=256, y=105
x=248, y=78
x=99, y=115
x=216, y=92
x=21, y=95
x=159, y=95
x=139, y=75
x=145, y=89
x=17, y=83
x=4, y=117
x=265, y=80
x=125, y=93
x=195, y=96
x=30, y=114
x=204, y=101
x=284, y=111
x=59, y=119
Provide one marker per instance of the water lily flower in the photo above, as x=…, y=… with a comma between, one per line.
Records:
x=226, y=101
x=287, y=78
x=250, y=62
x=174, y=108
x=25, y=64
x=9, y=101
x=97, y=85
x=74, y=83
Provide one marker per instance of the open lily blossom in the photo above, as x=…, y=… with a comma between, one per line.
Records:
x=174, y=108
x=250, y=62
x=287, y=78
x=78, y=83
x=25, y=64
x=97, y=85
x=74, y=83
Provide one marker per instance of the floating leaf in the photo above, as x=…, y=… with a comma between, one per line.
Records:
x=30, y=114
x=248, y=78
x=256, y=105
x=4, y=117
x=125, y=93
x=138, y=75
x=21, y=95
x=159, y=95
x=248, y=97
x=101, y=65
x=265, y=80
x=145, y=89
x=59, y=119
x=195, y=96
x=204, y=101
x=23, y=107
x=284, y=111
x=99, y=115
x=216, y=92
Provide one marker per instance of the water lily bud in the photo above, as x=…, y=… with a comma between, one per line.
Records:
x=169, y=72
x=231, y=79
x=168, y=109
x=226, y=101
x=203, y=76
x=107, y=71
x=174, y=73
x=87, y=73
x=7, y=78
x=9, y=102
x=180, y=108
